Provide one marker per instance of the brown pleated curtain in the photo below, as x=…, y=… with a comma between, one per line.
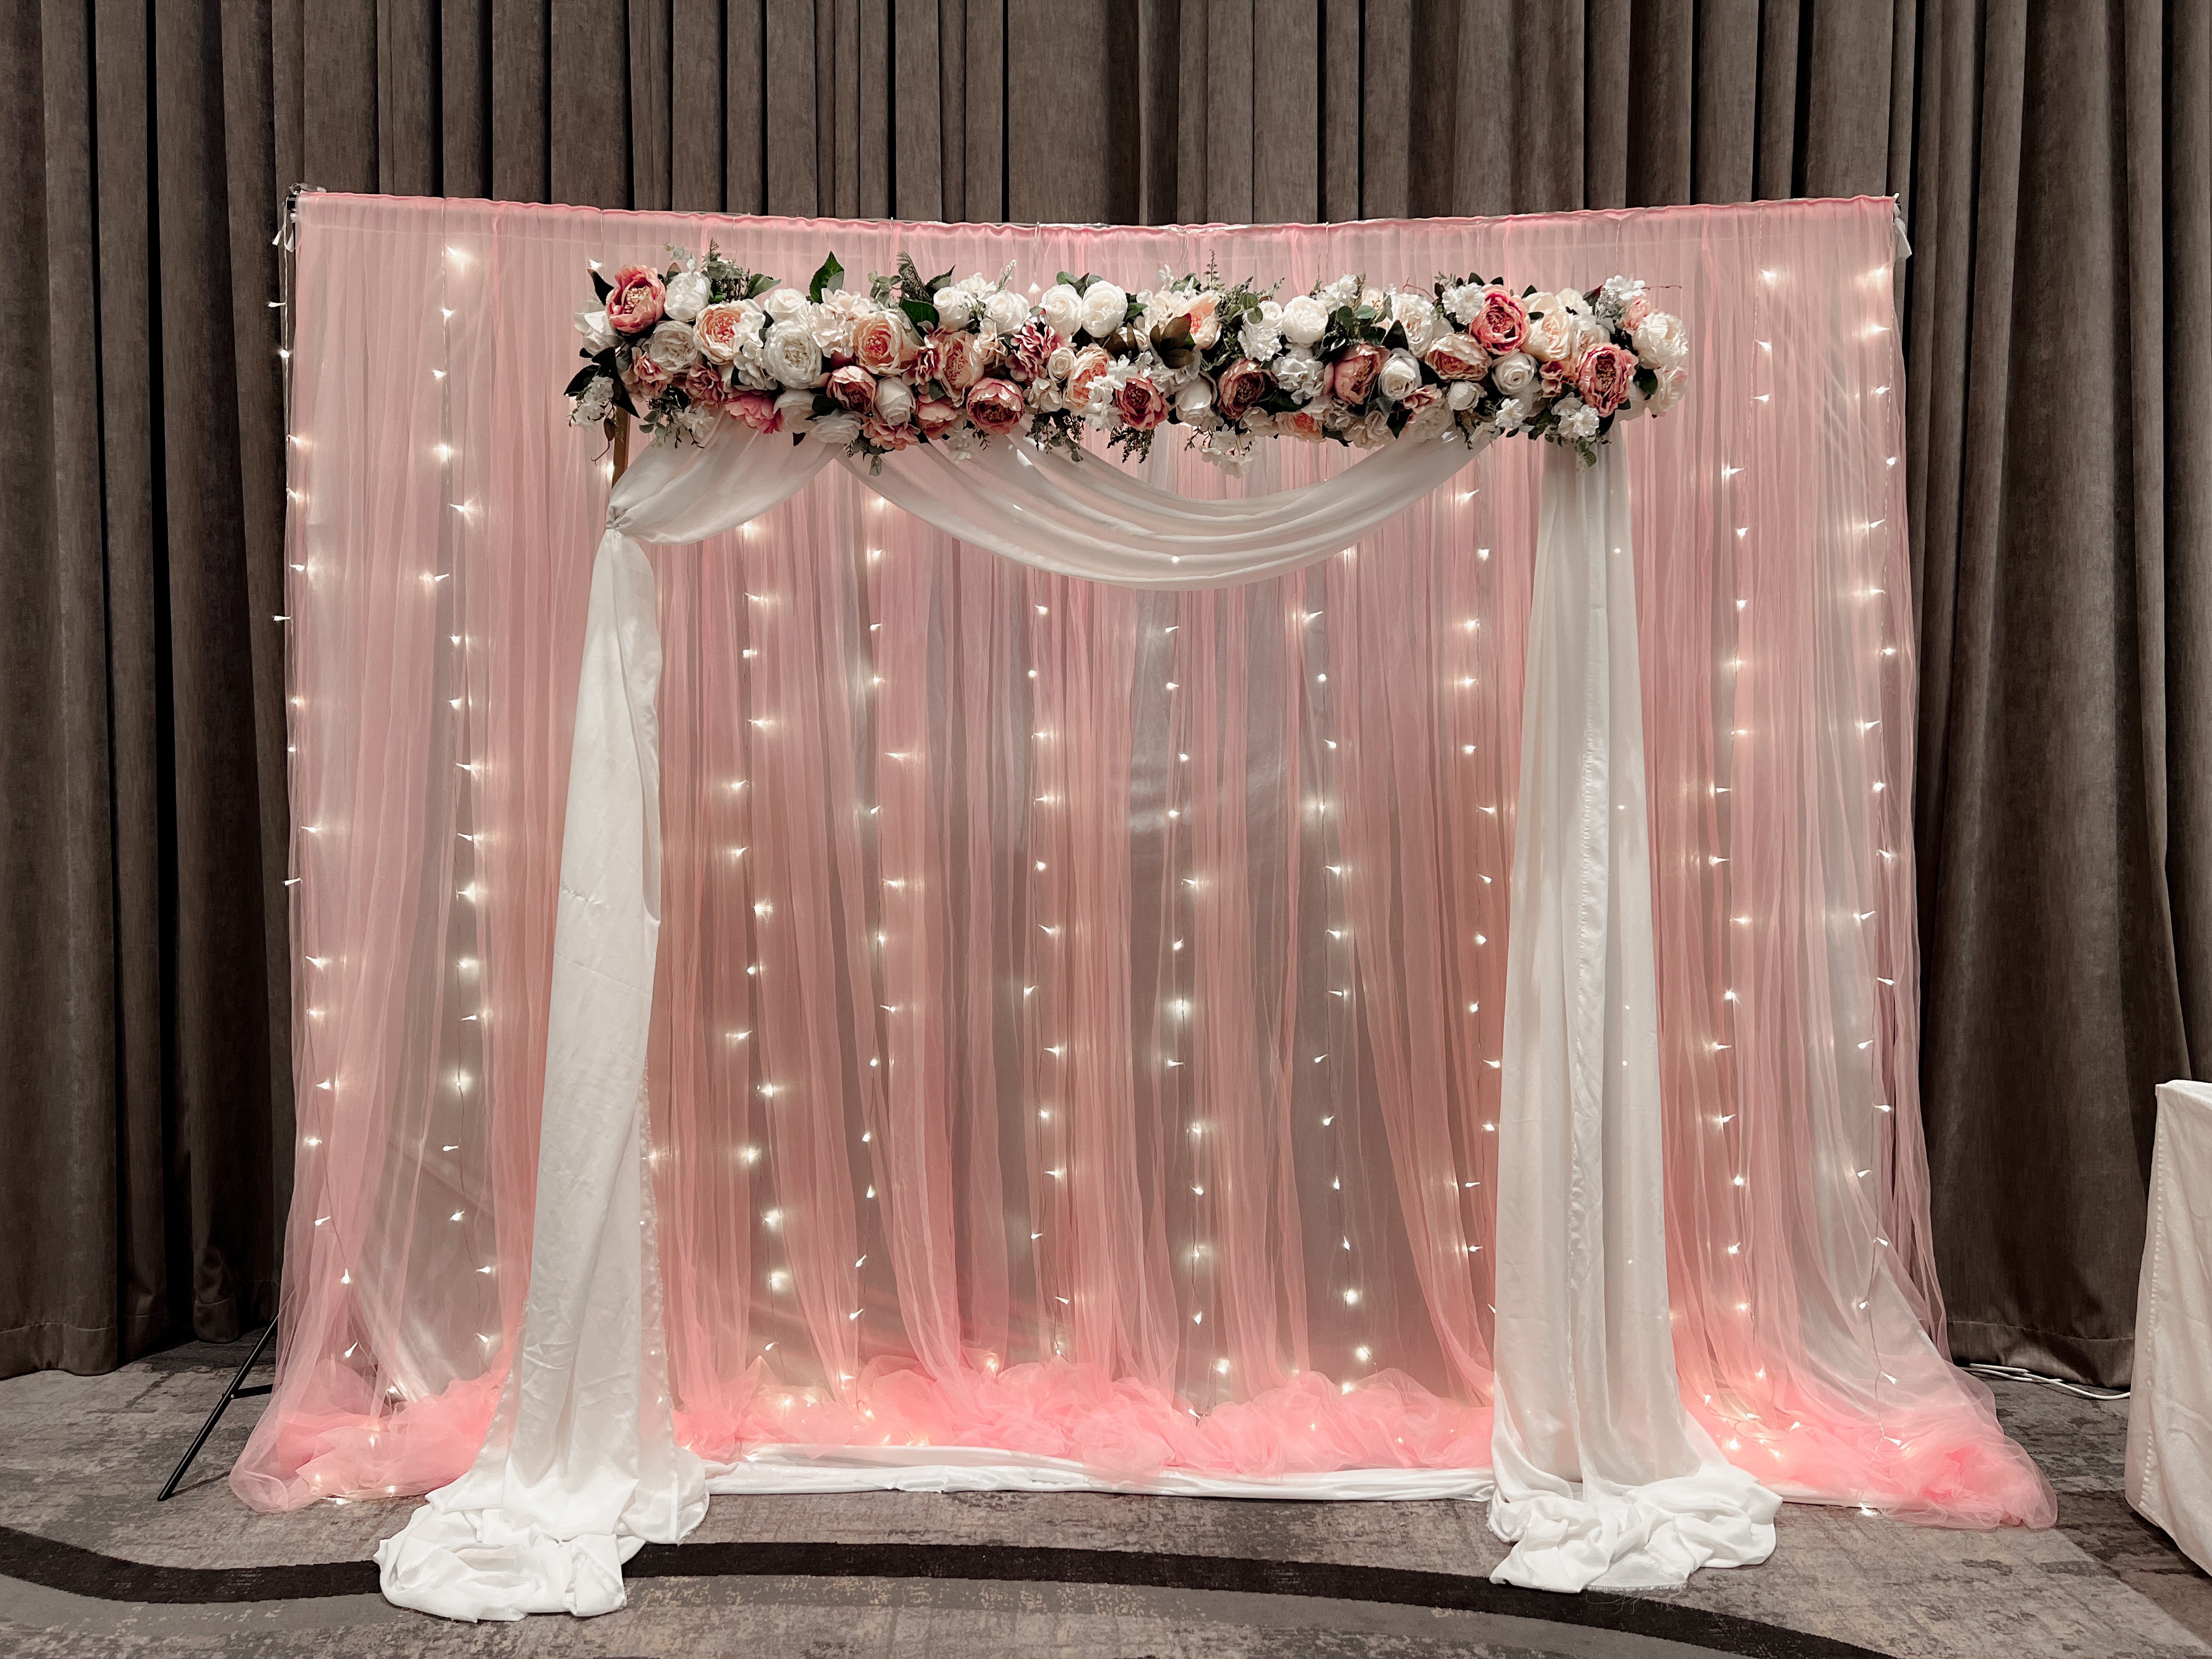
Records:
x=2055, y=167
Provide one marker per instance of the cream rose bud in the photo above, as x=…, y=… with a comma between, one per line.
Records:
x=1061, y=363
x=1104, y=307
x=1304, y=320
x=956, y=307
x=785, y=305
x=1514, y=374
x=1194, y=403
x=688, y=293
x=894, y=401
x=1462, y=395
x=1063, y=309
x=1399, y=375
x=593, y=326
x=1005, y=310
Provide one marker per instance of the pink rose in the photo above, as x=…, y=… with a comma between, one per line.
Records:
x=637, y=301
x=996, y=405
x=936, y=415
x=1206, y=321
x=1604, y=377
x=959, y=359
x=883, y=341
x=645, y=374
x=1140, y=402
x=885, y=436
x=703, y=384
x=756, y=409
x=1421, y=398
x=1308, y=423
x=1028, y=348
x=853, y=388
x=1457, y=357
x=1499, y=326
x=1239, y=391
x=1090, y=363
x=1634, y=313
x=1351, y=376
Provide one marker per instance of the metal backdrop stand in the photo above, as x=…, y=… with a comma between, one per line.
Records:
x=237, y=1390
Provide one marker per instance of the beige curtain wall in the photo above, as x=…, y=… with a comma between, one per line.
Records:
x=2055, y=167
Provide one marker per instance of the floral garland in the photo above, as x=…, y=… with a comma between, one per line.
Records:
x=919, y=361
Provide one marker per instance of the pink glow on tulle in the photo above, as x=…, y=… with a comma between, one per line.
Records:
x=1259, y=1166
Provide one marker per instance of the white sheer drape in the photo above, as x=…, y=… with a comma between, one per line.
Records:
x=1602, y=1476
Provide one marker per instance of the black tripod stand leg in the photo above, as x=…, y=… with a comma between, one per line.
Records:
x=232, y=1392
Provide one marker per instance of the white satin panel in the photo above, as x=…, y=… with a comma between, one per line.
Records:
x=1602, y=1478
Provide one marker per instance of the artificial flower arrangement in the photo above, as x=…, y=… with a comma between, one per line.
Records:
x=921, y=360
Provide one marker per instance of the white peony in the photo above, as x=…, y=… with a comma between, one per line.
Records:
x=1306, y=319
x=1004, y=312
x=838, y=430
x=1417, y=315
x=688, y=292
x=1063, y=309
x=785, y=305
x=1577, y=419
x=673, y=346
x=592, y=326
x=1514, y=374
x=1300, y=374
x=1673, y=381
x=1401, y=373
x=956, y=307
x=1661, y=343
x=1105, y=307
x=790, y=354
x=894, y=400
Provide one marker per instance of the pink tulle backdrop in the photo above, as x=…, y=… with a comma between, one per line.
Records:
x=1077, y=1027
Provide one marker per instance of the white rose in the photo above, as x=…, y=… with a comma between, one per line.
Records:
x=1573, y=300
x=1417, y=315
x=592, y=326
x=796, y=409
x=1401, y=373
x=1061, y=363
x=838, y=430
x=1306, y=319
x=785, y=305
x=1194, y=404
x=1460, y=395
x=1063, y=309
x=688, y=292
x=1661, y=343
x=1105, y=307
x=956, y=307
x=1513, y=373
x=1004, y=312
x=673, y=346
x=1553, y=335
x=1299, y=373
x=894, y=400
x=790, y=354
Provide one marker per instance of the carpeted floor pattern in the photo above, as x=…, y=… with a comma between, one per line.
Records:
x=91, y=1564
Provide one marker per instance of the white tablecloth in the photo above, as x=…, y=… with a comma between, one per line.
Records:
x=2170, y=1415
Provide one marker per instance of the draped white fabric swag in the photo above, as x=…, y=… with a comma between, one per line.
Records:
x=1600, y=1477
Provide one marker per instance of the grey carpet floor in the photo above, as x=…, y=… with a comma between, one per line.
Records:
x=99, y=1567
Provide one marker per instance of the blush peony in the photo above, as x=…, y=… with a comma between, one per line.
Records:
x=637, y=301
x=996, y=405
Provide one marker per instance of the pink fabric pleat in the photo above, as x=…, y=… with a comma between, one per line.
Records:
x=1078, y=1011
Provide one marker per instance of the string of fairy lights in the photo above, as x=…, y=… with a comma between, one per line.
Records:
x=463, y=1085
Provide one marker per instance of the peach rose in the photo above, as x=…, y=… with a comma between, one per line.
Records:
x=1239, y=391
x=1090, y=363
x=645, y=374
x=959, y=359
x=883, y=341
x=756, y=409
x=720, y=329
x=1351, y=376
x=637, y=301
x=1604, y=377
x=1457, y=357
x=852, y=387
x=885, y=436
x=936, y=415
x=996, y=405
x=1308, y=423
x=1205, y=317
x=1497, y=328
